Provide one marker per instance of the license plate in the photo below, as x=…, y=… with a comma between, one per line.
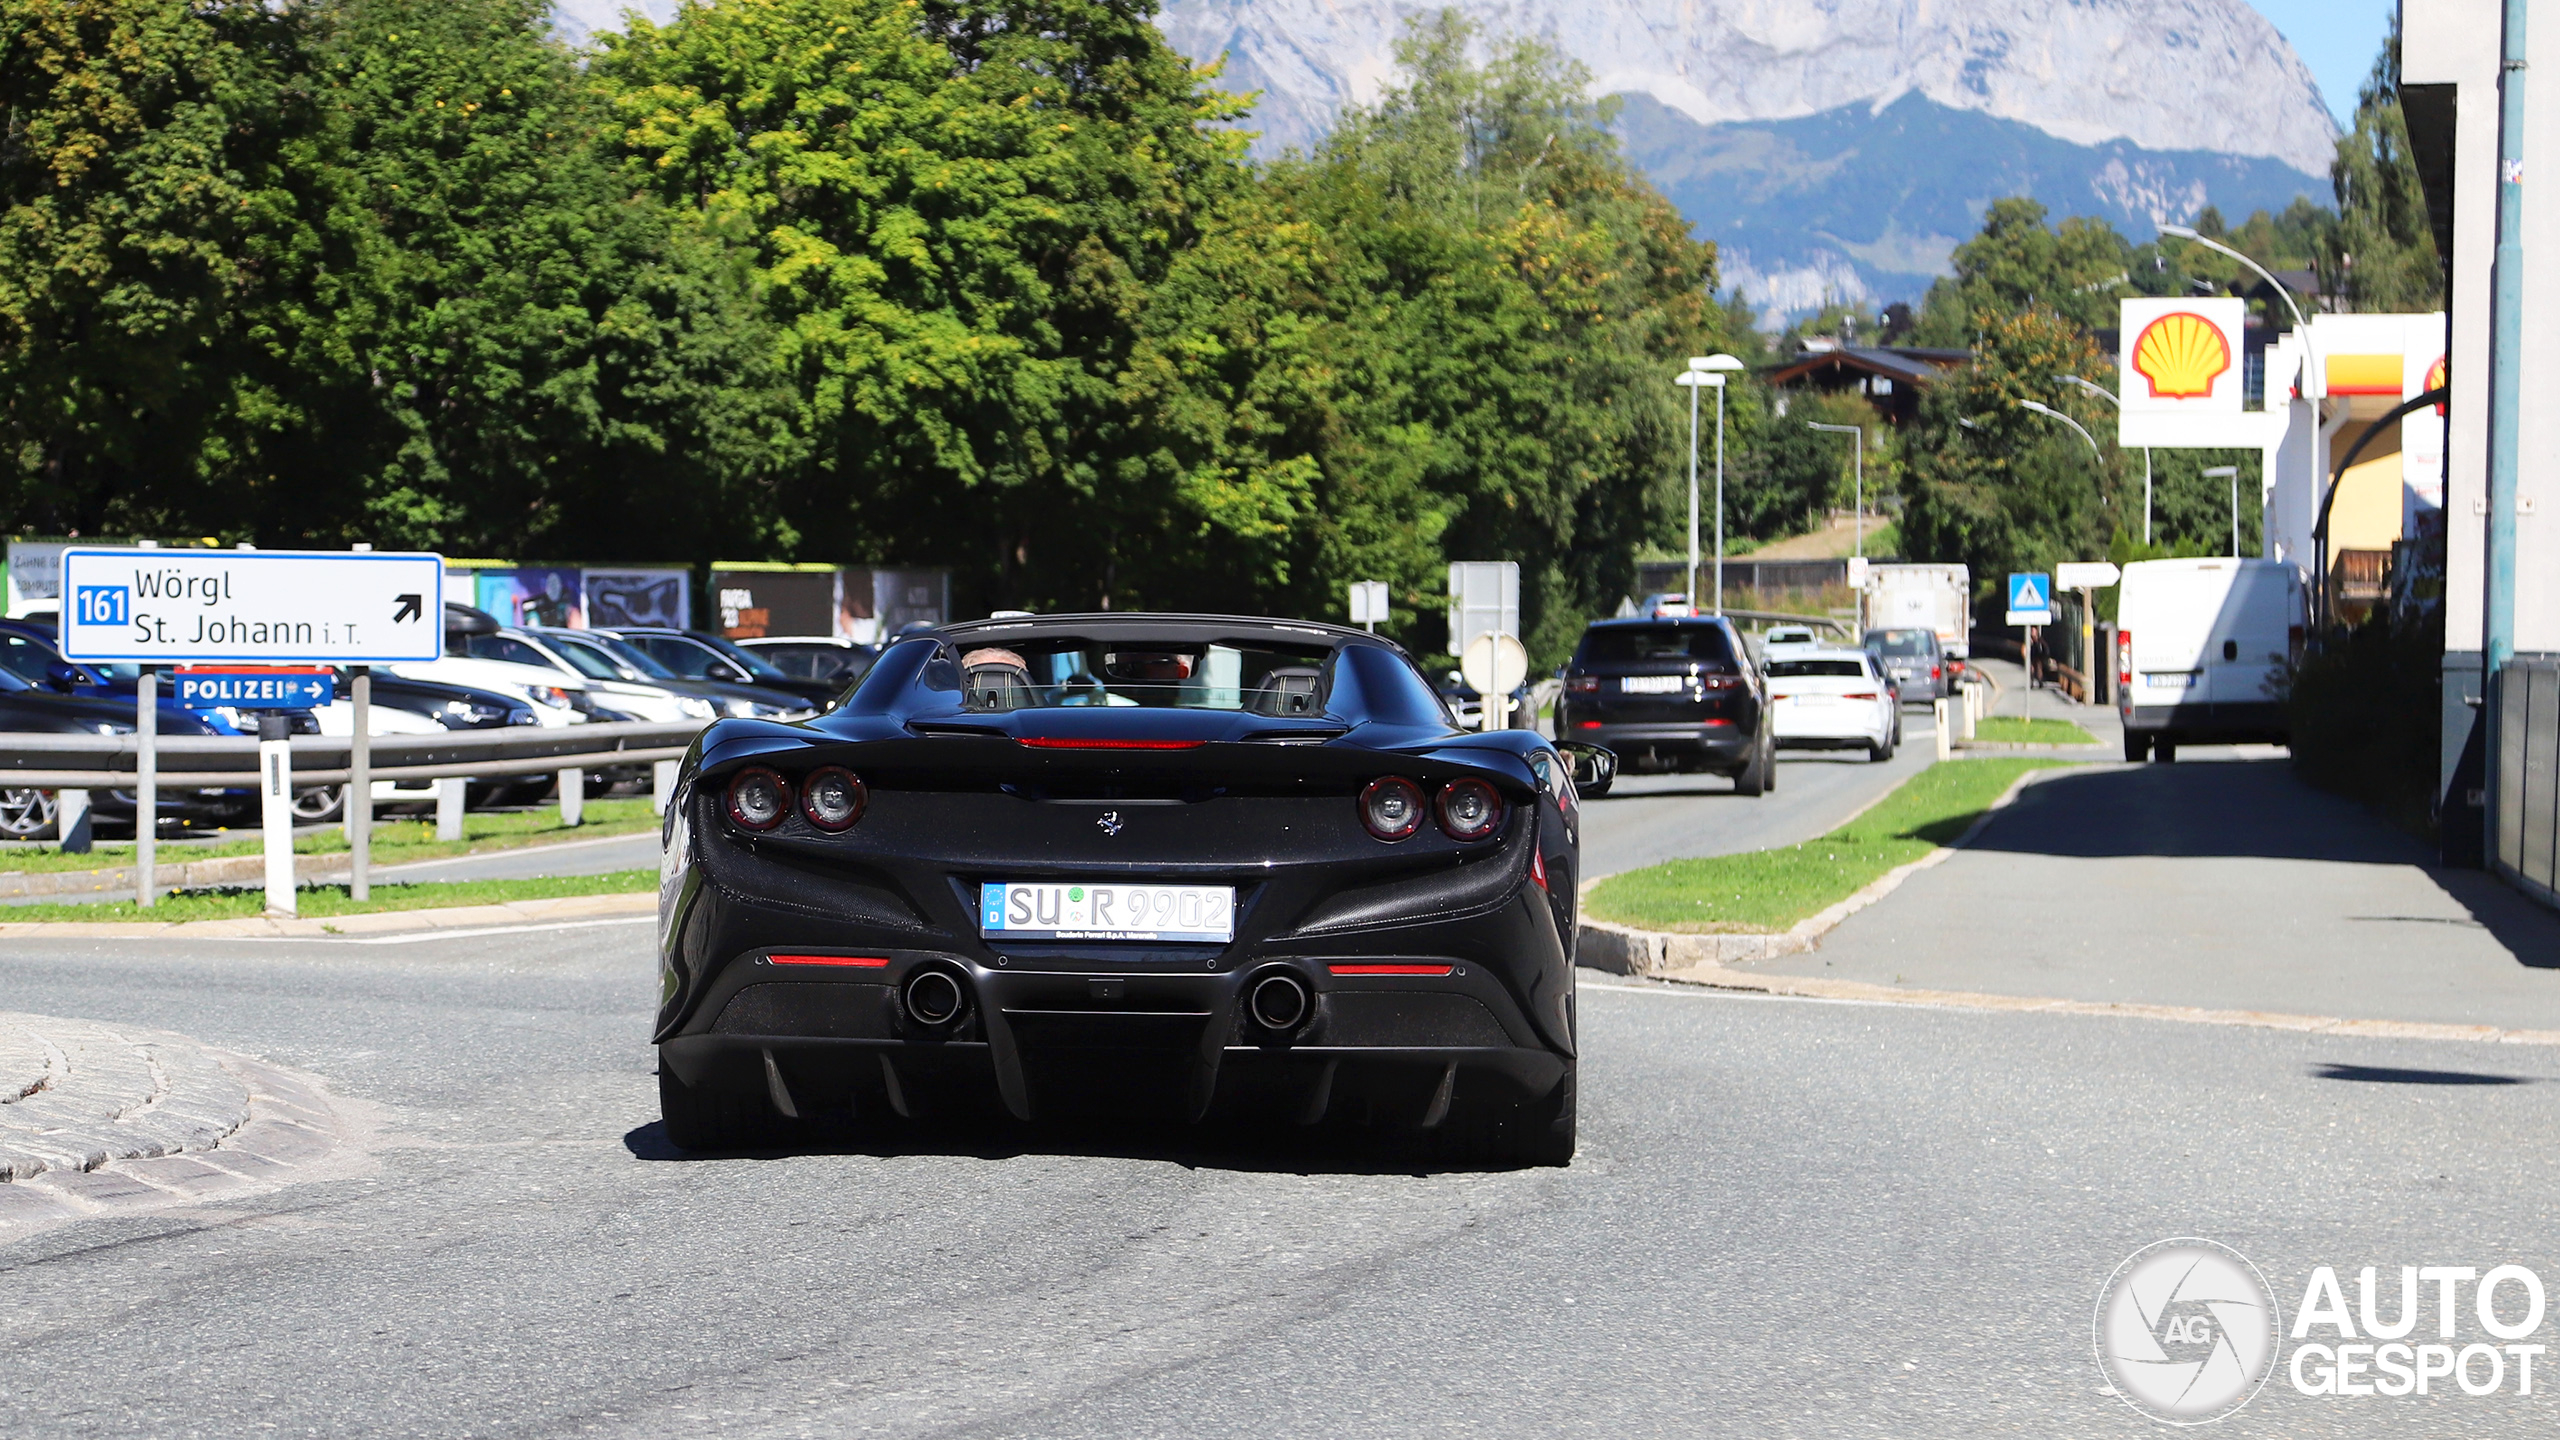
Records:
x=1653, y=684
x=1809, y=699
x=1041, y=911
x=2169, y=679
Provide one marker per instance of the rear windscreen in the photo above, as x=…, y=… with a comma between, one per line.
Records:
x=1800, y=669
x=1046, y=674
x=1903, y=643
x=1656, y=644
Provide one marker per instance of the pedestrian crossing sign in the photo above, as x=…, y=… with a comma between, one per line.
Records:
x=2031, y=598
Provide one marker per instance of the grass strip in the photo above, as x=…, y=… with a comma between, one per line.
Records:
x=322, y=901
x=2012, y=730
x=395, y=842
x=1766, y=891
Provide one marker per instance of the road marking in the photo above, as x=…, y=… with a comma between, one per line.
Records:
x=1737, y=985
x=414, y=936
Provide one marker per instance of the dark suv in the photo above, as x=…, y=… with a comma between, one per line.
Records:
x=1671, y=694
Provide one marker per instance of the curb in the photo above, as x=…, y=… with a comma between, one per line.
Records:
x=380, y=922
x=1663, y=955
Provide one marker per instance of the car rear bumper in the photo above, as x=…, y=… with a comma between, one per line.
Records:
x=1091, y=1041
x=2198, y=724
x=1726, y=742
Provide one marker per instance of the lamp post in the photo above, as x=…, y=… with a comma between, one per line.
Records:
x=2103, y=393
x=2232, y=473
x=1706, y=372
x=2315, y=381
x=1858, y=450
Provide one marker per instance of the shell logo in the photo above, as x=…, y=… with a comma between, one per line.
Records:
x=2437, y=378
x=2181, y=354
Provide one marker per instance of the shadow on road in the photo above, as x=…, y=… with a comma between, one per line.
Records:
x=2257, y=809
x=2386, y=1075
x=1322, y=1151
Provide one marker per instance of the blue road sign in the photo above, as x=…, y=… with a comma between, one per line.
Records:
x=255, y=689
x=2031, y=591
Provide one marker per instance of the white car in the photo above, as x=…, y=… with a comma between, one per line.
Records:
x=1829, y=697
x=556, y=699
x=338, y=717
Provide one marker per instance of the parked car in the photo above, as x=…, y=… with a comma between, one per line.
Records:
x=28, y=814
x=613, y=667
x=841, y=663
x=1674, y=694
x=1833, y=698
x=1918, y=663
x=717, y=660
x=1666, y=605
x=28, y=650
x=2205, y=651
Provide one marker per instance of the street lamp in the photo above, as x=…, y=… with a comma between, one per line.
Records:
x=2103, y=393
x=1858, y=434
x=2050, y=413
x=2232, y=473
x=1706, y=372
x=2317, y=386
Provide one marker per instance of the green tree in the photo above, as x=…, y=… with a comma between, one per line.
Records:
x=147, y=207
x=957, y=212
x=2076, y=271
x=2381, y=252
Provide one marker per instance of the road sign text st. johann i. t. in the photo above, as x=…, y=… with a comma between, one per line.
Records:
x=266, y=607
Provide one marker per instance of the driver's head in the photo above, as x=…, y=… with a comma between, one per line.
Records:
x=1160, y=666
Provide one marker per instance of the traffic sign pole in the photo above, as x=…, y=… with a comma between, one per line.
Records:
x=146, y=784
x=359, y=803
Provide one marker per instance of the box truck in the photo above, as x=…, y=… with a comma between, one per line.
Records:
x=2205, y=651
x=1932, y=597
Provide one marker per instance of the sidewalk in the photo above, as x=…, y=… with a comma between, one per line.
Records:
x=2222, y=884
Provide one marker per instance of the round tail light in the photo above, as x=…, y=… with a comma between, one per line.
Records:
x=758, y=798
x=832, y=798
x=1470, y=809
x=1391, y=808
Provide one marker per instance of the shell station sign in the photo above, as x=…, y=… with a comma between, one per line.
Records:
x=2180, y=374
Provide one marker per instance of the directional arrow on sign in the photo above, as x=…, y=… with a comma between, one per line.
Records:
x=411, y=606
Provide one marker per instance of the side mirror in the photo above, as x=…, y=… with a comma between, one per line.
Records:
x=723, y=670
x=1595, y=767
x=62, y=675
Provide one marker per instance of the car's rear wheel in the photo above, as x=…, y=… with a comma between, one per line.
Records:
x=1756, y=775
x=26, y=814
x=702, y=1119
x=1542, y=1133
x=320, y=805
x=2137, y=745
x=1881, y=751
x=2164, y=749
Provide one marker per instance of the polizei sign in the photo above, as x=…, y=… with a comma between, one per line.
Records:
x=275, y=607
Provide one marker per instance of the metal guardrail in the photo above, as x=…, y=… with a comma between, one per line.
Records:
x=112, y=762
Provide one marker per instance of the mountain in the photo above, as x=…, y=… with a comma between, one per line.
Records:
x=1866, y=203
x=1838, y=149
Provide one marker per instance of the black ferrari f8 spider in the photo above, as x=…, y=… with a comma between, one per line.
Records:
x=1187, y=866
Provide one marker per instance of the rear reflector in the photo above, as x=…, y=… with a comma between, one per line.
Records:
x=859, y=962
x=1859, y=695
x=1586, y=724
x=1538, y=868
x=1715, y=722
x=1062, y=742
x=1388, y=969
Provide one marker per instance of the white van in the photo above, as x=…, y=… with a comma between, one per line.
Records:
x=2205, y=651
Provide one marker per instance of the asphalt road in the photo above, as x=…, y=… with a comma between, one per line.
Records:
x=1789, y=1218
x=1647, y=819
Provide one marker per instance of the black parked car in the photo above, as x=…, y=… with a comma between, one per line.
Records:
x=1182, y=866
x=1672, y=694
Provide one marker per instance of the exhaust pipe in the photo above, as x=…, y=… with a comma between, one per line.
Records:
x=1279, y=1002
x=934, y=997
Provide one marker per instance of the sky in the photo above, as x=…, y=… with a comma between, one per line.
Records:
x=2337, y=39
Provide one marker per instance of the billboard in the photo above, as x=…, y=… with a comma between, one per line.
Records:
x=896, y=598
x=755, y=601
x=531, y=595
x=637, y=596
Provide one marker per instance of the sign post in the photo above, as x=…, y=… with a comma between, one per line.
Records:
x=146, y=784
x=359, y=802
x=263, y=608
x=2088, y=577
x=1368, y=603
x=2030, y=605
